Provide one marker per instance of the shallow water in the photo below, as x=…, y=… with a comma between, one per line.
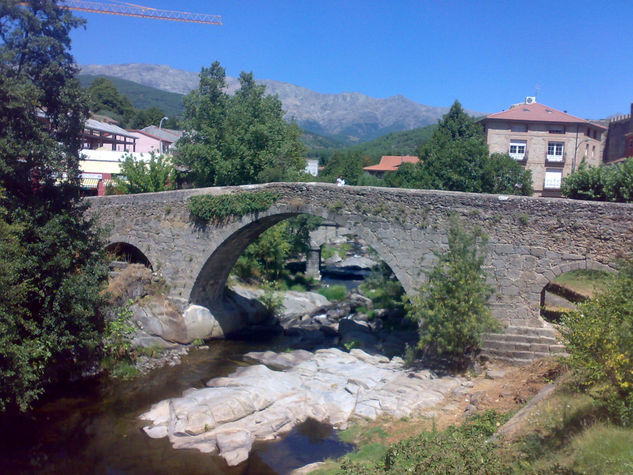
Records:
x=93, y=427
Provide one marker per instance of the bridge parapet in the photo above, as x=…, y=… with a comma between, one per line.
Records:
x=532, y=240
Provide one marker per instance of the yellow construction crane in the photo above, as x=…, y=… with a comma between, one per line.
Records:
x=129, y=9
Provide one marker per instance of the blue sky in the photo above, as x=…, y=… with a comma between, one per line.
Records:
x=487, y=54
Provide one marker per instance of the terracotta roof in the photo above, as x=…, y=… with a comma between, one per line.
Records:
x=390, y=163
x=536, y=112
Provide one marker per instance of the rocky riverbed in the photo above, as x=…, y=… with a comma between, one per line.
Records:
x=266, y=400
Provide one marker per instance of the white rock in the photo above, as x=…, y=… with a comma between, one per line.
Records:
x=258, y=403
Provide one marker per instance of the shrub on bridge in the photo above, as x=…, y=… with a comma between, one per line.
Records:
x=599, y=337
x=216, y=208
x=452, y=307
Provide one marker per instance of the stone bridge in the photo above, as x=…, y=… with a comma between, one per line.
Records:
x=531, y=240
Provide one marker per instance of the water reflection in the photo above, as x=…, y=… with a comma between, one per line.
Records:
x=92, y=427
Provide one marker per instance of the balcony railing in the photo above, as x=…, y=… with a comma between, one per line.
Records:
x=555, y=159
x=519, y=157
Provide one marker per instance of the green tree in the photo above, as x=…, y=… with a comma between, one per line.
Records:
x=51, y=257
x=144, y=177
x=106, y=99
x=237, y=139
x=348, y=164
x=602, y=183
x=150, y=116
x=502, y=174
x=599, y=337
x=452, y=307
x=456, y=158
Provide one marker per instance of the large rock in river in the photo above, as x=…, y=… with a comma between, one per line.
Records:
x=259, y=403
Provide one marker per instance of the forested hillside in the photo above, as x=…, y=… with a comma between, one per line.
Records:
x=142, y=97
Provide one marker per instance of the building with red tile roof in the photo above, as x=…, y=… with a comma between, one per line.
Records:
x=390, y=163
x=549, y=142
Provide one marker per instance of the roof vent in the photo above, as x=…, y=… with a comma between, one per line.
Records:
x=530, y=100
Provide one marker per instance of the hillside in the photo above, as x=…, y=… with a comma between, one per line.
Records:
x=142, y=97
x=406, y=142
x=349, y=117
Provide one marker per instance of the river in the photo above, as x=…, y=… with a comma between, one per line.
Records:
x=92, y=426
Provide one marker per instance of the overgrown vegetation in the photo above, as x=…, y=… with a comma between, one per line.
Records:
x=455, y=450
x=602, y=183
x=456, y=158
x=157, y=174
x=51, y=266
x=236, y=139
x=266, y=258
x=216, y=208
x=452, y=307
x=333, y=292
x=599, y=337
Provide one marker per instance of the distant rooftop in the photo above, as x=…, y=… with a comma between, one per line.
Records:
x=390, y=163
x=536, y=112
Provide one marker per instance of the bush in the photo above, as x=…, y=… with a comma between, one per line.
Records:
x=216, y=208
x=603, y=183
x=333, y=292
x=452, y=307
x=599, y=337
x=456, y=450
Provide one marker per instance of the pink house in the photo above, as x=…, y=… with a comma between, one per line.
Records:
x=146, y=142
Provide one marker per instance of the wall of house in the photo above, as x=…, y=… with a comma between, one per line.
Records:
x=144, y=144
x=615, y=146
x=499, y=136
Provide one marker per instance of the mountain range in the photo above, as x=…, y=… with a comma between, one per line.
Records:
x=349, y=117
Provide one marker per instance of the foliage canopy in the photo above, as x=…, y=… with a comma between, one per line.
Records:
x=145, y=177
x=239, y=139
x=452, y=306
x=602, y=183
x=599, y=336
x=456, y=158
x=50, y=260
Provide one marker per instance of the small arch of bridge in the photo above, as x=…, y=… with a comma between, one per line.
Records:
x=127, y=252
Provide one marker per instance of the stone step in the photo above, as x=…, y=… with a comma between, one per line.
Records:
x=519, y=338
x=525, y=355
x=558, y=349
x=530, y=331
x=512, y=361
x=501, y=344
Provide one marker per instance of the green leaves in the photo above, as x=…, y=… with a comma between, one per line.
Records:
x=599, y=337
x=603, y=183
x=239, y=139
x=50, y=259
x=456, y=158
x=216, y=208
x=145, y=177
x=452, y=307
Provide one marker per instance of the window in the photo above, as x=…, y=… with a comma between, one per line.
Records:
x=553, y=179
x=518, y=127
x=556, y=129
x=517, y=149
x=555, y=151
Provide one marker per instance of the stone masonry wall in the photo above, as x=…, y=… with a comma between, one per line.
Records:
x=532, y=240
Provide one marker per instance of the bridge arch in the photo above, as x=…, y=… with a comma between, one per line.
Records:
x=128, y=253
x=546, y=279
x=210, y=283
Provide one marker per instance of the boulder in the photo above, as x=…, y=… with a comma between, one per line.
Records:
x=258, y=403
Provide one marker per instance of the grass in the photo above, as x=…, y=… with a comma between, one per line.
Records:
x=584, y=281
x=570, y=433
x=333, y=292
